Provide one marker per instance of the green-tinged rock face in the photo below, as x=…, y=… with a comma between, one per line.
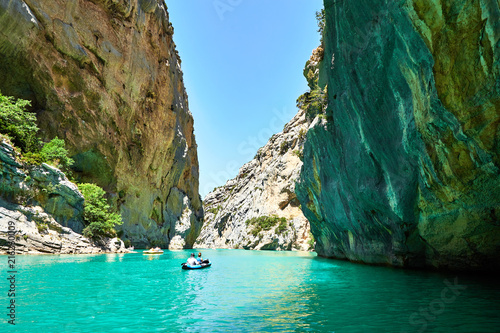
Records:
x=91, y=166
x=459, y=201
x=404, y=170
x=106, y=77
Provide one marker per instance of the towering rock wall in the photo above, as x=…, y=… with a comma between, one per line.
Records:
x=105, y=76
x=264, y=187
x=404, y=170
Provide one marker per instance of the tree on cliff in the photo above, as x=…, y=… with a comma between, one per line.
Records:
x=98, y=216
x=17, y=123
x=20, y=126
x=56, y=152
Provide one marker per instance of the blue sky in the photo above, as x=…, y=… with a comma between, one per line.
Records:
x=242, y=62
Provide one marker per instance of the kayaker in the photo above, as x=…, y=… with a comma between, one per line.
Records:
x=192, y=260
x=200, y=259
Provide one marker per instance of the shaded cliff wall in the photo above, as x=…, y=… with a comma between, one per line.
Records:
x=404, y=169
x=105, y=76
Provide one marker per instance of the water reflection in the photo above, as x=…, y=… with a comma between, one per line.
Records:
x=152, y=257
x=380, y=299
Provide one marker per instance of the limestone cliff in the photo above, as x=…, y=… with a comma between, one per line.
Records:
x=264, y=187
x=40, y=210
x=404, y=170
x=105, y=76
x=36, y=232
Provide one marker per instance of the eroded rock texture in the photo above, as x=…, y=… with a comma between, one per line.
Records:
x=404, y=170
x=105, y=76
x=41, y=211
x=264, y=187
x=33, y=231
x=43, y=186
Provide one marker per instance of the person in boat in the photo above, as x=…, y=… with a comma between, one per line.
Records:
x=192, y=260
x=200, y=259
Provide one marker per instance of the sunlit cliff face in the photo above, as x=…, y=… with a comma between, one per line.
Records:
x=106, y=77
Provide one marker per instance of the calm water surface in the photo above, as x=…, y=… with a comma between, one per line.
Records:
x=243, y=291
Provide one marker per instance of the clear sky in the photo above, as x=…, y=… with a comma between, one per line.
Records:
x=242, y=62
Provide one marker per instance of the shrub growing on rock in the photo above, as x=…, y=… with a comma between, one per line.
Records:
x=33, y=158
x=264, y=223
x=284, y=147
x=98, y=216
x=321, y=20
x=282, y=226
x=55, y=153
x=313, y=102
x=17, y=123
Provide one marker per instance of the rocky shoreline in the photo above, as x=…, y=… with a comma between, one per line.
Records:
x=33, y=231
x=41, y=211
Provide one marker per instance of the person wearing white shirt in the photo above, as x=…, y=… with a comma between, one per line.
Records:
x=192, y=260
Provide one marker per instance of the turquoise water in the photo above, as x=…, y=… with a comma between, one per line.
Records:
x=243, y=291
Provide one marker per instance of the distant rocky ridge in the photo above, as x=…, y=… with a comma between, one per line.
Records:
x=264, y=187
x=403, y=169
x=42, y=211
x=106, y=77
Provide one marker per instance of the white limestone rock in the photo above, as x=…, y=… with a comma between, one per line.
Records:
x=264, y=186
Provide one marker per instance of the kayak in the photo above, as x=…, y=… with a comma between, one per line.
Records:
x=152, y=252
x=203, y=265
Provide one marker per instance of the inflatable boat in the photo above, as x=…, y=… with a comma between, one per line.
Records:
x=152, y=252
x=204, y=264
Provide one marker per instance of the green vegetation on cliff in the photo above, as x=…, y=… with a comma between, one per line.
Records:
x=265, y=223
x=55, y=152
x=321, y=19
x=17, y=123
x=314, y=101
x=98, y=216
x=19, y=126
